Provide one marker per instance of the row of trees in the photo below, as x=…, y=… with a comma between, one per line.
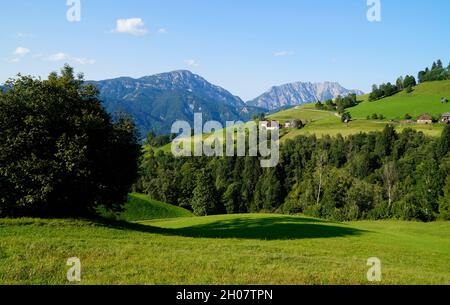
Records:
x=378, y=175
x=382, y=91
x=385, y=90
x=437, y=72
x=339, y=104
x=158, y=141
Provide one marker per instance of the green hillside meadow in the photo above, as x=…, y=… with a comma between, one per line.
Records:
x=234, y=249
x=141, y=207
x=426, y=98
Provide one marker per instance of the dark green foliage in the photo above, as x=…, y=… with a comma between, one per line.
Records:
x=443, y=145
x=61, y=154
x=409, y=82
x=204, y=200
x=158, y=141
x=339, y=104
x=319, y=105
x=346, y=117
x=375, y=116
x=379, y=175
x=444, y=201
x=388, y=89
x=437, y=72
x=384, y=90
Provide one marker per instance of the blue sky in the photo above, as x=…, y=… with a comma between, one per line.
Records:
x=245, y=46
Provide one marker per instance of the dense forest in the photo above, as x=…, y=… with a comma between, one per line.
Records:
x=378, y=175
x=61, y=154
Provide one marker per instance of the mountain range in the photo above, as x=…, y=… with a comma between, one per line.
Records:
x=156, y=101
x=300, y=93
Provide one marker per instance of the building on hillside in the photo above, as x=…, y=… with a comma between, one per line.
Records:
x=425, y=119
x=446, y=118
x=271, y=125
x=295, y=124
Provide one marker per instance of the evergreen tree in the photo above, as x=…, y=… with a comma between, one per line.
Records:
x=444, y=201
x=204, y=199
x=231, y=198
x=443, y=145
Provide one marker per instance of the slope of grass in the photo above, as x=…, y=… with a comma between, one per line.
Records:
x=306, y=113
x=426, y=98
x=323, y=123
x=235, y=249
x=141, y=207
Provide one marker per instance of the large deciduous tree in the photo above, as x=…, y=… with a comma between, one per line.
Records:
x=61, y=154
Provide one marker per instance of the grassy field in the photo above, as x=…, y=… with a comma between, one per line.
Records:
x=141, y=207
x=426, y=98
x=235, y=249
x=322, y=123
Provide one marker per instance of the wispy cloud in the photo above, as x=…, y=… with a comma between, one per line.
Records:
x=132, y=26
x=283, y=53
x=66, y=57
x=191, y=62
x=163, y=31
x=24, y=35
x=19, y=53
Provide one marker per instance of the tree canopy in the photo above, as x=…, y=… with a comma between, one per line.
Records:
x=61, y=154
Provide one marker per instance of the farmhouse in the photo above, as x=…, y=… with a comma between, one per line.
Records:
x=446, y=118
x=271, y=125
x=425, y=119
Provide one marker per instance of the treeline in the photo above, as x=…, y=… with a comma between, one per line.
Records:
x=385, y=90
x=157, y=141
x=379, y=175
x=437, y=72
x=339, y=104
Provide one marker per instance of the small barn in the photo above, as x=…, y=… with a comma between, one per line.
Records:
x=425, y=119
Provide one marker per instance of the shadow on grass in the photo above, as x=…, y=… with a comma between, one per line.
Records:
x=268, y=228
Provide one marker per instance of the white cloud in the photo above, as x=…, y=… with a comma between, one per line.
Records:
x=191, y=62
x=66, y=57
x=24, y=35
x=283, y=53
x=21, y=51
x=133, y=26
x=163, y=31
